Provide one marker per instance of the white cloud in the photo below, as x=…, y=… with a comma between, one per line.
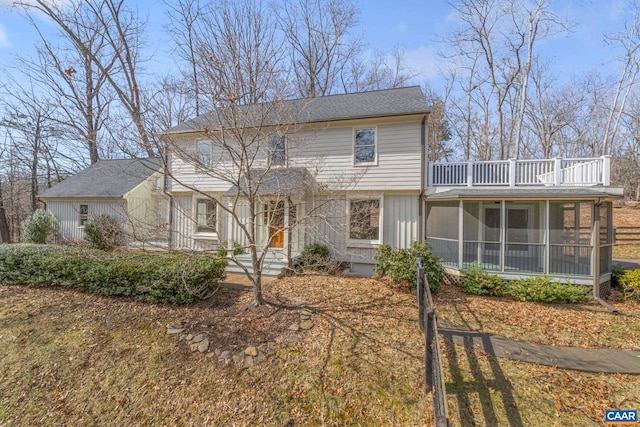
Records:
x=4, y=40
x=423, y=60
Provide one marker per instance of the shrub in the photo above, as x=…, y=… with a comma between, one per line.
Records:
x=224, y=248
x=400, y=264
x=617, y=271
x=316, y=257
x=630, y=282
x=103, y=232
x=542, y=289
x=38, y=227
x=172, y=278
x=476, y=281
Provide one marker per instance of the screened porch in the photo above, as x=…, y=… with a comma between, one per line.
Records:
x=523, y=237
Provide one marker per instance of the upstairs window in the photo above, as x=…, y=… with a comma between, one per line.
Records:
x=204, y=153
x=277, y=150
x=364, y=149
x=364, y=220
x=83, y=215
x=205, y=216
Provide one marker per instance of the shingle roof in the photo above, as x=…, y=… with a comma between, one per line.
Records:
x=381, y=103
x=292, y=182
x=106, y=178
x=527, y=192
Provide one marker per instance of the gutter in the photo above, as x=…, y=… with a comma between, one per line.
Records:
x=423, y=145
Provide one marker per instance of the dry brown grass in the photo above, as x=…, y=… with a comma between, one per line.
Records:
x=626, y=216
x=578, y=325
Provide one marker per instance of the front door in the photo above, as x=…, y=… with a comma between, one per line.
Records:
x=276, y=224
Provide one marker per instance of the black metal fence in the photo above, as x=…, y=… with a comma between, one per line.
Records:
x=434, y=376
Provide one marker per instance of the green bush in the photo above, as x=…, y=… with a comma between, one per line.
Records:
x=224, y=248
x=400, y=264
x=316, y=257
x=630, y=282
x=617, y=271
x=476, y=281
x=172, y=278
x=103, y=232
x=542, y=289
x=38, y=227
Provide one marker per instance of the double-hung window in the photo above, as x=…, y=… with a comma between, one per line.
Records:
x=364, y=147
x=203, y=153
x=83, y=214
x=277, y=150
x=205, y=216
x=365, y=217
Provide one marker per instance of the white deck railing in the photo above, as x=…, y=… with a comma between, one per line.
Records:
x=546, y=172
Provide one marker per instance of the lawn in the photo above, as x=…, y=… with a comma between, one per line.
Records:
x=68, y=358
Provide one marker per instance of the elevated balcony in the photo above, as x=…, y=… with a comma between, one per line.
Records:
x=512, y=173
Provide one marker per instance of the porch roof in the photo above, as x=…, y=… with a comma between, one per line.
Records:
x=557, y=193
x=277, y=182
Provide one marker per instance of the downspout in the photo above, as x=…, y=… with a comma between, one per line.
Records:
x=165, y=189
x=423, y=158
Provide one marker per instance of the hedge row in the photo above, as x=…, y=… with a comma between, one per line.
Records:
x=172, y=278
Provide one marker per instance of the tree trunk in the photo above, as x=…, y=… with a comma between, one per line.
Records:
x=5, y=236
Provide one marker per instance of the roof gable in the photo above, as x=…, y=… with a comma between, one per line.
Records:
x=106, y=178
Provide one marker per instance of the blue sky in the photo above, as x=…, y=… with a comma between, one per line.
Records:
x=413, y=25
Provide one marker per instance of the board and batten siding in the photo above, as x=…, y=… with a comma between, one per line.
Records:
x=67, y=214
x=327, y=152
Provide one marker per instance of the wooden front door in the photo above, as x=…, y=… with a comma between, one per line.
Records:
x=276, y=224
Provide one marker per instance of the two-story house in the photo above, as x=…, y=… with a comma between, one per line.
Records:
x=350, y=171
x=346, y=171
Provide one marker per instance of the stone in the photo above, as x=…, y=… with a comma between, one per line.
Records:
x=305, y=325
x=305, y=317
x=248, y=361
x=225, y=355
x=174, y=331
x=238, y=358
x=189, y=337
x=251, y=351
x=197, y=338
x=210, y=355
x=203, y=345
x=193, y=347
x=306, y=312
x=182, y=337
x=260, y=358
x=294, y=327
x=217, y=351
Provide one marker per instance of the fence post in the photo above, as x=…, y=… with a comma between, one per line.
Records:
x=557, y=171
x=420, y=291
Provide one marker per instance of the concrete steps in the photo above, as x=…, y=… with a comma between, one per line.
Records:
x=273, y=264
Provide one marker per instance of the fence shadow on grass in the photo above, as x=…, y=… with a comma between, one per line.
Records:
x=482, y=383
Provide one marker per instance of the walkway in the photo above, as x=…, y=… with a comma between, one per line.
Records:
x=575, y=358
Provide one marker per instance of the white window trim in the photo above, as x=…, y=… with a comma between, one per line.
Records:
x=357, y=243
x=353, y=146
x=286, y=151
x=198, y=165
x=80, y=225
x=203, y=235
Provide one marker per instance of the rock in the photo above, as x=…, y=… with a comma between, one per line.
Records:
x=294, y=327
x=305, y=325
x=260, y=358
x=197, y=338
x=225, y=355
x=251, y=351
x=203, y=345
x=210, y=355
x=189, y=337
x=217, y=351
x=305, y=317
x=182, y=337
x=292, y=339
x=174, y=331
x=248, y=361
x=238, y=358
x=193, y=347
x=306, y=312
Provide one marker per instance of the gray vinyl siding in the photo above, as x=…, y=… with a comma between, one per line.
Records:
x=400, y=220
x=327, y=152
x=184, y=226
x=66, y=212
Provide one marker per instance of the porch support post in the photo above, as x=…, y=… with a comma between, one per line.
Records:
x=512, y=173
x=503, y=233
x=286, y=231
x=595, y=238
x=469, y=174
x=547, y=236
x=460, y=233
x=230, y=225
x=606, y=170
